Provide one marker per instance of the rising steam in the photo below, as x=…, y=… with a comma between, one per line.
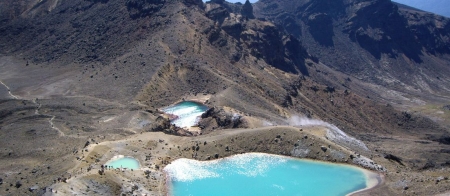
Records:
x=333, y=133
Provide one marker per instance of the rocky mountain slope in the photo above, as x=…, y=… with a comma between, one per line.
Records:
x=375, y=41
x=99, y=70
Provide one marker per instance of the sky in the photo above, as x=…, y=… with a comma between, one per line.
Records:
x=441, y=7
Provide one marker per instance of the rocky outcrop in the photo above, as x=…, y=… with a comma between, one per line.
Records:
x=219, y=118
x=247, y=10
x=321, y=28
x=369, y=32
x=143, y=8
x=218, y=13
x=18, y=184
x=365, y=26
x=33, y=188
x=218, y=1
x=392, y=157
x=260, y=39
x=162, y=124
x=193, y=3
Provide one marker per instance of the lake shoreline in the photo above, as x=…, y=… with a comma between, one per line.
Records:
x=373, y=179
x=155, y=150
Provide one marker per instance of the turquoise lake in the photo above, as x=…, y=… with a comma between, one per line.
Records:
x=124, y=162
x=263, y=174
x=188, y=113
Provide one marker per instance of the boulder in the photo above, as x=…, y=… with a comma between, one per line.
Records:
x=446, y=107
x=160, y=124
x=18, y=184
x=440, y=178
x=220, y=117
x=393, y=158
x=247, y=10
x=33, y=188
x=87, y=144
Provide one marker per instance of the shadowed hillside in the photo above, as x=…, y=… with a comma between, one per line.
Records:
x=375, y=41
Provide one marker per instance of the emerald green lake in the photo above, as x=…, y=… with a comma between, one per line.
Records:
x=263, y=174
x=124, y=162
x=187, y=113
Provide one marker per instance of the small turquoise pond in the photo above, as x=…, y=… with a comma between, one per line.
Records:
x=123, y=162
x=263, y=174
x=187, y=112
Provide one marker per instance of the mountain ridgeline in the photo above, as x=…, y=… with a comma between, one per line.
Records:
x=371, y=39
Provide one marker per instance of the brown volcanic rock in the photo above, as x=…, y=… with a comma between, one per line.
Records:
x=247, y=10
x=372, y=40
x=219, y=118
x=81, y=31
x=263, y=39
x=143, y=8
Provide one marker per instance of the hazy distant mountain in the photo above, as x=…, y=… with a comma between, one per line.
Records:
x=441, y=7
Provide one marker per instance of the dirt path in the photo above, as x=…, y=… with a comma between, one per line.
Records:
x=318, y=131
x=50, y=121
x=9, y=91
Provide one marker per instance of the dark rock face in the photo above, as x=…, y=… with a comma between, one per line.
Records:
x=160, y=124
x=393, y=158
x=18, y=184
x=221, y=118
x=443, y=139
x=218, y=1
x=143, y=8
x=381, y=37
x=446, y=107
x=375, y=32
x=218, y=14
x=247, y=10
x=321, y=28
x=198, y=3
x=257, y=38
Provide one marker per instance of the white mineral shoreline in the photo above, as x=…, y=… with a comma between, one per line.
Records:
x=117, y=157
x=373, y=179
